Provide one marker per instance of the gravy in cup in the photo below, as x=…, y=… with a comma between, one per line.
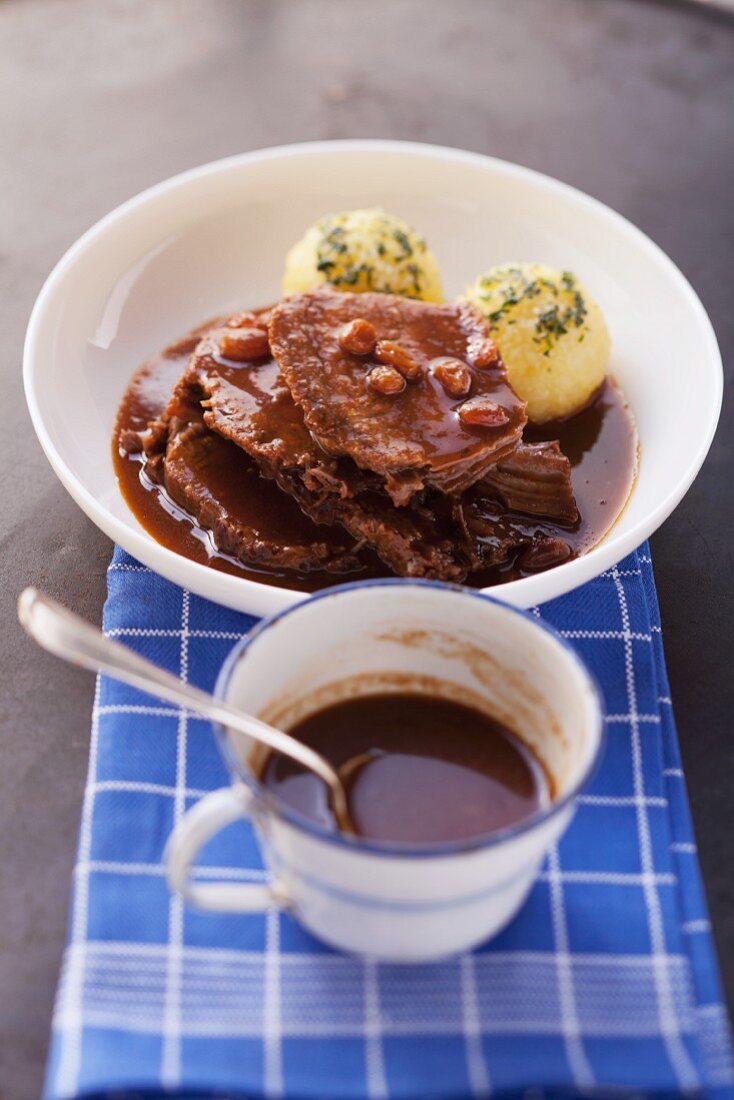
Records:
x=464, y=728
x=417, y=769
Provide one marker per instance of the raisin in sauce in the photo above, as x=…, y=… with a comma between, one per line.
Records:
x=417, y=769
x=600, y=441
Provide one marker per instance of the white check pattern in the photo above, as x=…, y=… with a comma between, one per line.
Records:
x=605, y=981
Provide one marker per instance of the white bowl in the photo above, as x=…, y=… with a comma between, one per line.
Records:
x=214, y=239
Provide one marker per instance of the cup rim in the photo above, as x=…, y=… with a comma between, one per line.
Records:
x=399, y=849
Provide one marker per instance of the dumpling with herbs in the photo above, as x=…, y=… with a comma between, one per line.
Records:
x=550, y=332
x=363, y=250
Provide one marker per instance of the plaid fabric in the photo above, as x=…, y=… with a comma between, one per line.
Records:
x=606, y=979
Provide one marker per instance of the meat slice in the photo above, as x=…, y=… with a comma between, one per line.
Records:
x=398, y=411
x=535, y=479
x=249, y=404
x=514, y=512
x=421, y=540
x=494, y=535
x=220, y=487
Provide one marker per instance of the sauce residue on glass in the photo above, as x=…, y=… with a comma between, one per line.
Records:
x=417, y=769
x=601, y=443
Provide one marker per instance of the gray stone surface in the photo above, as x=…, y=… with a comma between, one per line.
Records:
x=100, y=98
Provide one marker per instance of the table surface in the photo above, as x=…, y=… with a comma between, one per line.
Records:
x=630, y=101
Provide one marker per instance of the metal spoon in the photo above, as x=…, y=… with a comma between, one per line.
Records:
x=66, y=635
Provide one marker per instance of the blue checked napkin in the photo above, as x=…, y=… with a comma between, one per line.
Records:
x=605, y=981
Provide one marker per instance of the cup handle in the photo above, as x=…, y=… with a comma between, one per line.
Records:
x=211, y=814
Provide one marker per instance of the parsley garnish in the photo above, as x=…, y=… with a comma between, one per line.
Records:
x=404, y=243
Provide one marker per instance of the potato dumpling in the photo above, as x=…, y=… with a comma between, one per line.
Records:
x=551, y=333
x=363, y=250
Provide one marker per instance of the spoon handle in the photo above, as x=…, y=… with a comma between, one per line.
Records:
x=66, y=635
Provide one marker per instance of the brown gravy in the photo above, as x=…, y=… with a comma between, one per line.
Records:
x=231, y=474
x=419, y=769
x=600, y=442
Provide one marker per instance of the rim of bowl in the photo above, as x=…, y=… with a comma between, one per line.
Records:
x=526, y=590
x=398, y=848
